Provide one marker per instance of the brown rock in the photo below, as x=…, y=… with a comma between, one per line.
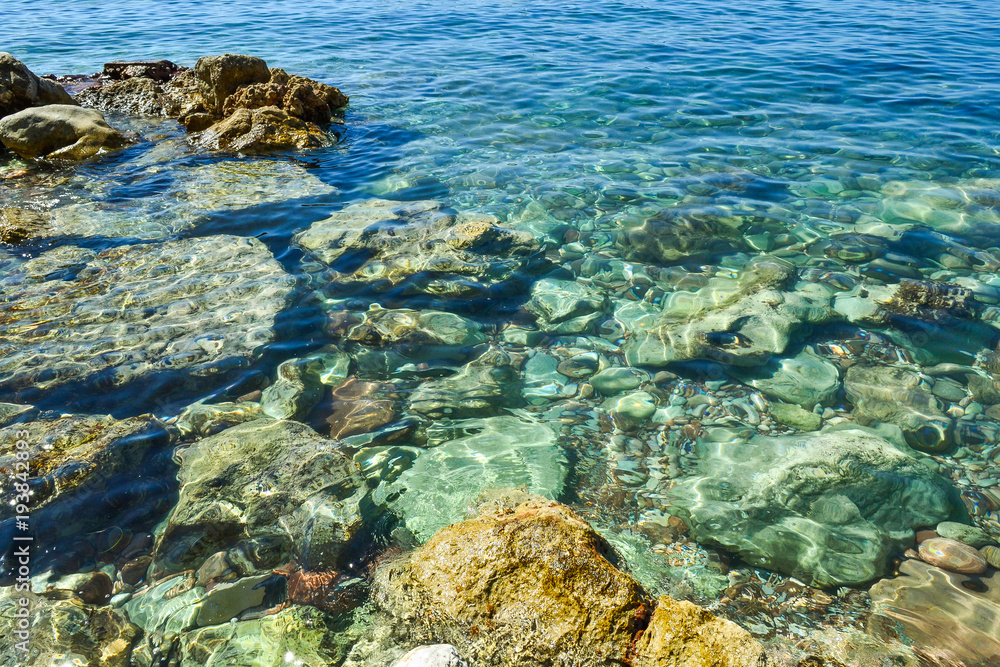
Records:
x=952, y=555
x=138, y=96
x=264, y=129
x=21, y=89
x=301, y=97
x=993, y=412
x=219, y=77
x=923, y=535
x=537, y=585
x=255, y=96
x=96, y=590
x=157, y=70
x=134, y=571
x=357, y=407
x=681, y=634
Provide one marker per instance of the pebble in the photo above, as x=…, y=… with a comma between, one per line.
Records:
x=972, y=535
x=992, y=555
x=952, y=556
x=617, y=379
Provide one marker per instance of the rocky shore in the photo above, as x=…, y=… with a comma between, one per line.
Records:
x=502, y=443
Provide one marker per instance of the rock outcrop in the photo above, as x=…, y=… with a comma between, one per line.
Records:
x=537, y=585
x=20, y=88
x=59, y=131
x=258, y=130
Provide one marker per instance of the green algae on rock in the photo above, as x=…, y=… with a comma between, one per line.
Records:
x=815, y=506
x=270, y=490
x=185, y=310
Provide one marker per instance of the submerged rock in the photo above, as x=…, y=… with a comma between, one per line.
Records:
x=174, y=312
x=469, y=457
x=82, y=471
x=948, y=618
x=484, y=387
x=59, y=131
x=535, y=584
x=972, y=535
x=63, y=632
x=201, y=420
x=427, y=328
x=819, y=506
x=952, y=556
x=20, y=88
x=358, y=407
x=893, y=395
x=418, y=248
x=670, y=237
x=272, y=490
x=805, y=379
x=565, y=306
x=439, y=655
x=741, y=322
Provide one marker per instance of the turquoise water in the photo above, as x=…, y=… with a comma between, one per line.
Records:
x=651, y=149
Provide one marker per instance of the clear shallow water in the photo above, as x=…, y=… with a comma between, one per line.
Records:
x=792, y=121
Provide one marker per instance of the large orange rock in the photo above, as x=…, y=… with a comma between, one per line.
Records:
x=537, y=585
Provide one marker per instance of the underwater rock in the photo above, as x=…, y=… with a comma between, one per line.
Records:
x=425, y=328
x=439, y=655
x=274, y=490
x=565, y=306
x=536, y=584
x=138, y=96
x=741, y=322
x=948, y=618
x=681, y=634
x=18, y=225
x=258, y=130
x=669, y=237
x=308, y=634
x=64, y=632
x=218, y=77
x=796, y=417
x=167, y=314
x=805, y=379
x=358, y=407
x=192, y=196
x=423, y=247
x=20, y=88
x=59, y=131
x=469, y=457
x=485, y=386
x=81, y=471
x=201, y=420
x=11, y=413
x=616, y=379
x=298, y=388
x=893, y=395
x=952, y=556
x=631, y=408
x=814, y=506
x=972, y=535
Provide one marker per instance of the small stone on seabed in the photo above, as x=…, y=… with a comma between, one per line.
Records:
x=952, y=556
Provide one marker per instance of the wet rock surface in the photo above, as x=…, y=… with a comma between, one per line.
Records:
x=199, y=306
x=264, y=129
